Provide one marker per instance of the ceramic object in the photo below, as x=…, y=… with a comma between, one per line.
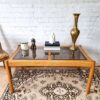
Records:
x=24, y=46
x=52, y=38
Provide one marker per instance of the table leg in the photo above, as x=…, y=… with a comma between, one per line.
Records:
x=8, y=70
x=90, y=78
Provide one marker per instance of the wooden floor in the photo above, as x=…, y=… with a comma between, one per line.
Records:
x=3, y=79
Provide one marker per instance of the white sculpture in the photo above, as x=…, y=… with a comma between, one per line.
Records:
x=52, y=38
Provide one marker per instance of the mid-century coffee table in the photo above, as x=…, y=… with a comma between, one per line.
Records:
x=63, y=58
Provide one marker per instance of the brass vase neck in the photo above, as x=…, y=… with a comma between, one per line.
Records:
x=76, y=16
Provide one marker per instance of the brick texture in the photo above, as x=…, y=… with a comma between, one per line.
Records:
x=21, y=20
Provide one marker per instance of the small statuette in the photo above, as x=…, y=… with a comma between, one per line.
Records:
x=33, y=45
x=52, y=38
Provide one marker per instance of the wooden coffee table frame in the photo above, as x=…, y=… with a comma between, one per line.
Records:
x=88, y=63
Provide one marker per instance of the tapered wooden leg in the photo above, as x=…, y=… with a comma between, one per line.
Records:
x=90, y=78
x=8, y=70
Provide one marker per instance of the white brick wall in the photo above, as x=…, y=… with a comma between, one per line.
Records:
x=21, y=20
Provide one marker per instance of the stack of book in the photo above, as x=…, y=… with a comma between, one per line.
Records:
x=54, y=46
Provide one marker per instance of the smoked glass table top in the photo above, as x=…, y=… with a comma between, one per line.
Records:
x=40, y=54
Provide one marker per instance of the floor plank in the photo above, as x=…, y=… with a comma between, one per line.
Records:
x=3, y=79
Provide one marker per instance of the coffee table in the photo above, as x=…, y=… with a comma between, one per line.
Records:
x=63, y=58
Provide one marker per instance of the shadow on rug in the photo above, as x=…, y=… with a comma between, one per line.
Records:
x=53, y=84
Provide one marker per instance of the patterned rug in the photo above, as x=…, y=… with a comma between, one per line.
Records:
x=53, y=84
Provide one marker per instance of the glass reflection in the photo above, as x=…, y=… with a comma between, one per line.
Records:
x=55, y=53
x=25, y=53
x=73, y=55
x=34, y=53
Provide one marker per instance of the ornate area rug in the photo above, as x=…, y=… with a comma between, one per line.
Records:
x=53, y=84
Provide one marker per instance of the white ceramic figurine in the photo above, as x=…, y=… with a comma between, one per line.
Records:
x=52, y=38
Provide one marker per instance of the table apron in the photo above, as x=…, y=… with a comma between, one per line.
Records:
x=69, y=63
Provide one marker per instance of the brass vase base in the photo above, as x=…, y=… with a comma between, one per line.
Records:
x=73, y=48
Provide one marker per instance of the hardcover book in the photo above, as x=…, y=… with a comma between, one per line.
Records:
x=53, y=44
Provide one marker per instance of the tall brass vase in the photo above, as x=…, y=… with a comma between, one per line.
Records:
x=75, y=32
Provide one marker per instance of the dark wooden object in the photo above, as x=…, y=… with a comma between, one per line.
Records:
x=33, y=45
